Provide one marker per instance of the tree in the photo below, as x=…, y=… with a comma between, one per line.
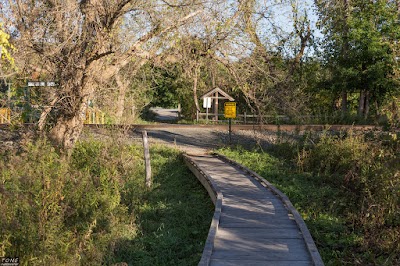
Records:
x=7, y=63
x=192, y=55
x=361, y=48
x=81, y=44
x=265, y=74
x=375, y=31
x=334, y=22
x=7, y=66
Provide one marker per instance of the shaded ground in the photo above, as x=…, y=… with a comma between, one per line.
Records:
x=12, y=139
x=165, y=115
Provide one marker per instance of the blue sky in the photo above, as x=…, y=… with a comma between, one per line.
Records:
x=283, y=18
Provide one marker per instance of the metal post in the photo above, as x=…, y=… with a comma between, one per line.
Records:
x=207, y=115
x=245, y=118
x=230, y=130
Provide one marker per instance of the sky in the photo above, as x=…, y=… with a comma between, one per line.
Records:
x=284, y=18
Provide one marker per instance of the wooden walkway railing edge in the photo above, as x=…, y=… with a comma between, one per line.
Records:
x=311, y=247
x=216, y=197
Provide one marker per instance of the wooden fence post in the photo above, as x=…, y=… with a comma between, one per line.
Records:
x=147, y=159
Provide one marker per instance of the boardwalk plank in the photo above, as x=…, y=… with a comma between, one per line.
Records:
x=258, y=233
x=255, y=227
x=247, y=195
x=271, y=222
x=249, y=216
x=267, y=249
x=251, y=202
x=243, y=210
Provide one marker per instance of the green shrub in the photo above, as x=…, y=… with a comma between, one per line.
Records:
x=93, y=208
x=61, y=212
x=32, y=186
x=367, y=170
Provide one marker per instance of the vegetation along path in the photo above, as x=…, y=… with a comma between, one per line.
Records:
x=253, y=224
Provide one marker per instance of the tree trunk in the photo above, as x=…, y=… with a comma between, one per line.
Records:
x=195, y=81
x=361, y=103
x=213, y=74
x=344, y=102
x=45, y=113
x=395, y=111
x=345, y=50
x=122, y=88
x=71, y=110
x=377, y=109
x=68, y=128
x=366, y=105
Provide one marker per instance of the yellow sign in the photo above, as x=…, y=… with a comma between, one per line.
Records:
x=230, y=110
x=5, y=116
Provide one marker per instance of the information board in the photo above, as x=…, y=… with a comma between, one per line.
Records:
x=207, y=102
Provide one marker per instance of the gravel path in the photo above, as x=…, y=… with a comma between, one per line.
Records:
x=163, y=115
x=193, y=140
x=201, y=140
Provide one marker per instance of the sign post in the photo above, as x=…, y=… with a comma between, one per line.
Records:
x=230, y=112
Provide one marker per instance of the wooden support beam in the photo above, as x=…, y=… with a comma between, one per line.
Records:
x=147, y=159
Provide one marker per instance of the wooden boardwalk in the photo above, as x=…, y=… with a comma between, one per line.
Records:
x=253, y=223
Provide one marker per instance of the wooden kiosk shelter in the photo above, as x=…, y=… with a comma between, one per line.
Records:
x=211, y=99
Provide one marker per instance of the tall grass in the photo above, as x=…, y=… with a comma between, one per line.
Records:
x=93, y=208
x=347, y=188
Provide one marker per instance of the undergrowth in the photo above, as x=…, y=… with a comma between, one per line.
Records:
x=346, y=187
x=93, y=208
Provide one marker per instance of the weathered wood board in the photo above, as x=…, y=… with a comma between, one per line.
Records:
x=255, y=227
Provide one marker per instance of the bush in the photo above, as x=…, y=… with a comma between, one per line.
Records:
x=57, y=212
x=367, y=169
x=94, y=209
